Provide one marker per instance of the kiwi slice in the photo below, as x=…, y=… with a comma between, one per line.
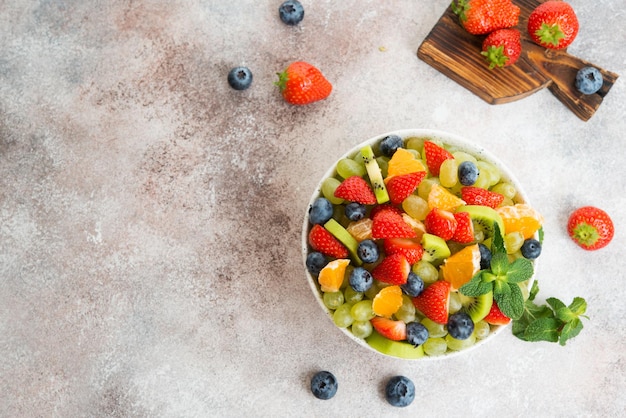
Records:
x=345, y=238
x=484, y=218
x=400, y=349
x=375, y=175
x=435, y=248
x=477, y=307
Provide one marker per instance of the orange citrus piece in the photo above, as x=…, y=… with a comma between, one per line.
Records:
x=520, y=217
x=441, y=198
x=403, y=162
x=460, y=267
x=387, y=301
x=331, y=276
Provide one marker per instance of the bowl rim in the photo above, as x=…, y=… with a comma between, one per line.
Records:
x=450, y=139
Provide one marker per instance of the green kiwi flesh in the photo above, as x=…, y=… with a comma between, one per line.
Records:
x=477, y=307
x=345, y=238
x=435, y=248
x=483, y=217
x=374, y=174
x=400, y=349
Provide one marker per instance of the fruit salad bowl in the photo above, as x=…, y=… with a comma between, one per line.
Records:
x=407, y=240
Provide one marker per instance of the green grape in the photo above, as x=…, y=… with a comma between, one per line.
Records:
x=483, y=180
x=383, y=163
x=347, y=167
x=449, y=173
x=415, y=153
x=494, y=173
x=333, y=300
x=506, y=189
x=426, y=271
x=454, y=304
x=458, y=345
x=351, y=295
x=434, y=329
x=342, y=317
x=423, y=190
x=513, y=241
x=415, y=143
x=415, y=207
x=481, y=329
x=435, y=346
x=406, y=312
x=362, y=329
x=373, y=290
x=346, y=277
x=329, y=185
x=461, y=156
x=362, y=311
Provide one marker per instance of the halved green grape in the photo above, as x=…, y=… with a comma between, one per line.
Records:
x=342, y=317
x=347, y=167
x=415, y=207
x=362, y=311
x=448, y=173
x=481, y=330
x=329, y=185
x=352, y=296
x=361, y=329
x=458, y=345
x=333, y=300
x=435, y=346
x=434, y=329
x=494, y=173
x=513, y=241
x=454, y=304
x=426, y=271
x=506, y=189
x=406, y=312
x=423, y=190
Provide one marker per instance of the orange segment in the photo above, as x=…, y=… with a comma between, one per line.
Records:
x=387, y=301
x=520, y=217
x=403, y=162
x=331, y=276
x=439, y=197
x=460, y=267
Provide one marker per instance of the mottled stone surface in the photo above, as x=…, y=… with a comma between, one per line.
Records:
x=150, y=216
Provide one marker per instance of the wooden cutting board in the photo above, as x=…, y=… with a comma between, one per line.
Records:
x=456, y=53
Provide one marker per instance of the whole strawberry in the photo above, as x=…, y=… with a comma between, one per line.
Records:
x=502, y=47
x=302, y=83
x=553, y=24
x=591, y=228
x=480, y=17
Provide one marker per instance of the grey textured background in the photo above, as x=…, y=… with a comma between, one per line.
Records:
x=150, y=216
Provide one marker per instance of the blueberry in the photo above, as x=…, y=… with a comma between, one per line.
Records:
x=390, y=144
x=320, y=211
x=367, y=251
x=588, y=80
x=416, y=333
x=291, y=12
x=400, y=391
x=315, y=262
x=413, y=286
x=360, y=279
x=460, y=326
x=468, y=173
x=324, y=385
x=240, y=78
x=485, y=257
x=531, y=249
x=355, y=211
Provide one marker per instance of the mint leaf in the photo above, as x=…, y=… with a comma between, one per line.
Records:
x=519, y=270
x=499, y=264
x=578, y=306
x=540, y=233
x=534, y=289
x=565, y=314
x=476, y=286
x=570, y=330
x=497, y=242
x=542, y=329
x=509, y=298
x=555, y=303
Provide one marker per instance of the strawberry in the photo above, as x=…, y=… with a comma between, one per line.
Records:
x=394, y=330
x=301, y=83
x=411, y=249
x=356, y=189
x=394, y=269
x=435, y=155
x=323, y=241
x=464, y=232
x=591, y=228
x=502, y=47
x=441, y=223
x=384, y=207
x=479, y=196
x=553, y=24
x=388, y=223
x=402, y=186
x=480, y=17
x=433, y=301
x=496, y=317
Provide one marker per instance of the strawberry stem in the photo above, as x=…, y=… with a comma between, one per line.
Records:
x=459, y=8
x=586, y=234
x=495, y=56
x=282, y=80
x=550, y=34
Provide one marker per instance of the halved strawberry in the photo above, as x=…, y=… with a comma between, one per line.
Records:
x=435, y=155
x=384, y=207
x=479, y=196
x=388, y=328
x=394, y=269
x=356, y=189
x=495, y=316
x=441, y=223
x=402, y=186
x=323, y=241
x=464, y=232
x=433, y=301
x=388, y=223
x=411, y=249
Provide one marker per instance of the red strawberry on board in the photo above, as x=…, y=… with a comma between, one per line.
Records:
x=435, y=155
x=302, y=83
x=590, y=227
x=323, y=241
x=441, y=223
x=464, y=232
x=480, y=17
x=388, y=223
x=433, y=301
x=495, y=316
x=411, y=249
x=394, y=269
x=479, y=196
x=402, y=186
x=553, y=24
x=356, y=189
x=502, y=47
x=393, y=330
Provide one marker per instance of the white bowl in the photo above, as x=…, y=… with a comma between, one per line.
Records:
x=447, y=139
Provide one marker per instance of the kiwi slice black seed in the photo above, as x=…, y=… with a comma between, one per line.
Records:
x=477, y=307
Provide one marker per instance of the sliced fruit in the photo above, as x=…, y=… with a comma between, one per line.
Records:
x=433, y=302
x=400, y=349
x=332, y=275
x=394, y=269
x=441, y=223
x=460, y=267
x=477, y=307
x=404, y=162
x=410, y=248
x=435, y=248
x=345, y=238
x=361, y=229
x=484, y=218
x=374, y=174
x=323, y=241
x=402, y=186
x=387, y=301
x=495, y=316
x=520, y=217
x=464, y=232
x=388, y=328
x=442, y=198
x=417, y=226
x=355, y=189
x=435, y=155
x=479, y=196
x=388, y=223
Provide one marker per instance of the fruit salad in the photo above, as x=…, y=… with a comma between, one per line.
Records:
x=419, y=244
